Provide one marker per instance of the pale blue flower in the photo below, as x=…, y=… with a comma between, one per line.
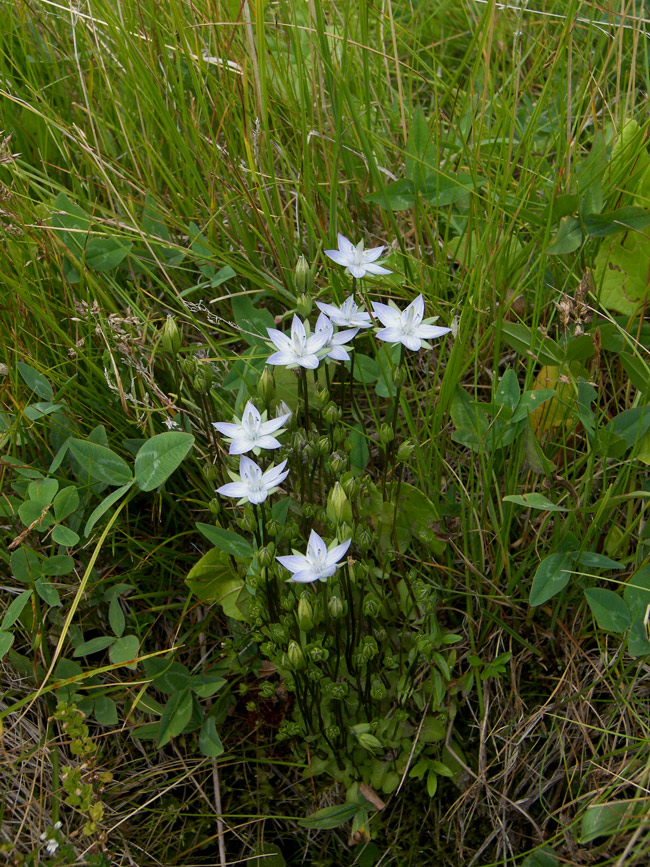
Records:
x=301, y=349
x=333, y=347
x=407, y=326
x=347, y=314
x=356, y=260
x=318, y=563
x=252, y=432
x=251, y=485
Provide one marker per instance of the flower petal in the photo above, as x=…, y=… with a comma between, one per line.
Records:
x=372, y=254
x=285, y=357
x=337, y=553
x=410, y=341
x=376, y=269
x=337, y=256
x=417, y=306
x=390, y=335
x=279, y=339
x=431, y=331
x=294, y=562
x=227, y=428
x=358, y=271
x=304, y=577
x=233, y=489
x=316, y=547
x=344, y=245
x=387, y=315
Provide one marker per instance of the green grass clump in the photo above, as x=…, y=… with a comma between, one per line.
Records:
x=163, y=167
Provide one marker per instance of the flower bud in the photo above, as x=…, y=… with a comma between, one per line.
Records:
x=371, y=605
x=215, y=506
x=272, y=527
x=303, y=305
x=295, y=656
x=305, y=614
x=317, y=653
x=266, y=555
x=267, y=691
x=247, y=522
x=302, y=277
x=340, y=435
x=336, y=607
x=266, y=386
x=405, y=451
x=211, y=472
x=386, y=434
x=348, y=483
x=188, y=365
x=332, y=413
x=338, y=463
x=171, y=338
x=377, y=690
x=321, y=397
x=323, y=446
x=365, y=539
x=369, y=648
x=203, y=379
x=399, y=376
x=338, y=506
x=369, y=742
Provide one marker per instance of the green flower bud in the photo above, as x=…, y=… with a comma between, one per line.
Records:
x=267, y=691
x=338, y=463
x=332, y=413
x=332, y=732
x=211, y=473
x=171, y=338
x=288, y=602
x=305, y=615
x=365, y=539
x=303, y=305
x=371, y=605
x=279, y=633
x=338, y=506
x=317, y=653
x=369, y=742
x=247, y=522
x=321, y=397
x=215, y=506
x=405, y=451
x=348, y=483
x=272, y=527
x=340, y=435
x=386, y=434
x=265, y=556
x=369, y=648
x=266, y=386
x=377, y=690
x=295, y=656
x=188, y=365
x=336, y=607
x=303, y=278
x=399, y=376
x=322, y=446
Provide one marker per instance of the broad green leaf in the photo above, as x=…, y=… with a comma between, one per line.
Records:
x=508, y=391
x=525, y=341
x=421, y=152
x=159, y=457
x=530, y=401
x=6, y=640
x=591, y=560
x=152, y=221
x=534, y=501
x=116, y=616
x=205, y=685
x=567, y=238
x=398, y=196
x=105, y=711
x=534, y=457
x=43, y=491
x=441, y=190
x=103, y=507
x=103, y=254
x=359, y=453
x=35, y=380
x=25, y=565
x=637, y=596
x=329, y=817
x=176, y=716
x=269, y=855
x=39, y=410
x=213, y=579
x=631, y=424
x=609, y=610
x=124, y=649
x=166, y=675
x=98, y=463
x=226, y=540
x=35, y=514
x=47, y=592
x=543, y=857
x=94, y=645
x=209, y=741
x=64, y=536
x=253, y=321
x=59, y=564
x=621, y=270
x=602, y=820
x=613, y=222
x=15, y=609
x=366, y=369
x=637, y=370
x=66, y=502
x=551, y=577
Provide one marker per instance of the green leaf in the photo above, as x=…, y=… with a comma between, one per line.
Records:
x=534, y=501
x=66, y=502
x=329, y=817
x=25, y=565
x=602, y=820
x=159, y=457
x=116, y=616
x=621, y=270
x=43, y=491
x=359, y=453
x=226, y=540
x=421, y=152
x=253, y=321
x=637, y=596
x=15, y=609
x=613, y=222
x=631, y=424
x=551, y=577
x=609, y=610
x=543, y=857
x=213, y=578
x=398, y=196
x=525, y=341
x=94, y=645
x=591, y=560
x=64, y=536
x=104, y=506
x=39, y=410
x=567, y=238
x=637, y=371
x=268, y=855
x=59, y=564
x=124, y=650
x=152, y=221
x=209, y=741
x=508, y=391
x=176, y=716
x=441, y=190
x=103, y=254
x=6, y=640
x=534, y=457
x=366, y=369
x=30, y=513
x=105, y=711
x=98, y=463
x=35, y=380
x=47, y=592
x=205, y=685
x=166, y=675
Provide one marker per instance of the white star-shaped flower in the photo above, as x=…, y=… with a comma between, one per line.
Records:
x=356, y=260
x=333, y=347
x=347, y=314
x=318, y=564
x=251, y=485
x=407, y=327
x=301, y=349
x=252, y=432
